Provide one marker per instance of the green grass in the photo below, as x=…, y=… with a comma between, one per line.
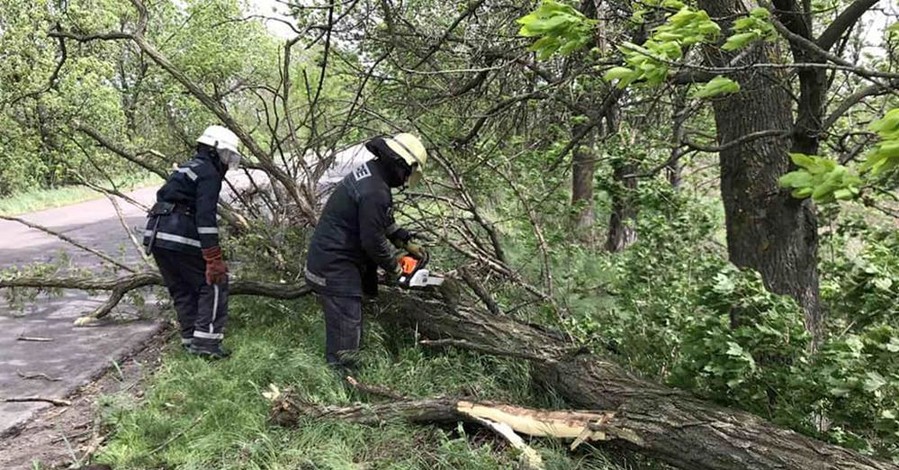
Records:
x=221, y=415
x=40, y=199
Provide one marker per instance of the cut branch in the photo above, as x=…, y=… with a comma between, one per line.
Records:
x=288, y=410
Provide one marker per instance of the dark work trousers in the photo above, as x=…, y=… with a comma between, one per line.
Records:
x=202, y=308
x=343, y=329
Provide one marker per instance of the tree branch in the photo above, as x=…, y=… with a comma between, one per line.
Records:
x=106, y=143
x=733, y=143
x=67, y=239
x=119, y=287
x=54, y=401
x=844, y=21
x=90, y=37
x=855, y=98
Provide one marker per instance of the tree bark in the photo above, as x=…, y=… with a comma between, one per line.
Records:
x=678, y=133
x=767, y=229
x=583, y=169
x=623, y=219
x=663, y=423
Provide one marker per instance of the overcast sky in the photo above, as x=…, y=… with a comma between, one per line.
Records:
x=272, y=8
x=873, y=22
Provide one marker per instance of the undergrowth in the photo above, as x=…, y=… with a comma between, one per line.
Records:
x=212, y=415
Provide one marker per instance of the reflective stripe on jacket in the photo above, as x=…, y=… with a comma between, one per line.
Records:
x=194, y=187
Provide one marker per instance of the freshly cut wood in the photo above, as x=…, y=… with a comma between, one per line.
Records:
x=505, y=420
x=664, y=423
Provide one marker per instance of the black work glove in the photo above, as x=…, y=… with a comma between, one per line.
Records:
x=370, y=280
x=391, y=277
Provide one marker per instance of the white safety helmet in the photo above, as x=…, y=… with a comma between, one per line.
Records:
x=412, y=151
x=224, y=142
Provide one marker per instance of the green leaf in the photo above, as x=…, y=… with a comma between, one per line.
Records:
x=802, y=193
x=617, y=73
x=709, y=28
x=740, y=40
x=883, y=283
x=734, y=349
x=873, y=381
x=839, y=392
x=760, y=13
x=802, y=160
x=844, y=194
x=716, y=87
x=796, y=179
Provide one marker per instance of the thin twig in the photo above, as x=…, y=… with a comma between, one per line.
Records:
x=375, y=389
x=138, y=246
x=66, y=239
x=37, y=376
x=54, y=401
x=181, y=433
x=34, y=338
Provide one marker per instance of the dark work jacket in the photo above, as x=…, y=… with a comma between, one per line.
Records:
x=354, y=234
x=194, y=187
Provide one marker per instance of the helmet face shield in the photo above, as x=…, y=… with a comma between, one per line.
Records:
x=224, y=142
x=229, y=158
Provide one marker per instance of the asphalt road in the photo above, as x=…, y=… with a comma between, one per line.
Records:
x=73, y=356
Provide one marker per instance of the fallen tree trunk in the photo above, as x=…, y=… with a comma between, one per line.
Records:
x=666, y=424
x=505, y=420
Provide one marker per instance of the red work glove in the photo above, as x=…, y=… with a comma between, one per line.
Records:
x=216, y=269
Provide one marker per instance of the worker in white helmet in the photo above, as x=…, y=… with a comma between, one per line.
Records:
x=355, y=234
x=183, y=236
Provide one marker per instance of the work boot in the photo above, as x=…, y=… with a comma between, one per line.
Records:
x=209, y=352
x=185, y=343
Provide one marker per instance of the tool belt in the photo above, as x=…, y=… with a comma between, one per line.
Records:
x=167, y=208
x=158, y=210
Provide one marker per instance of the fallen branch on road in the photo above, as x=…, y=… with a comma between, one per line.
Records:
x=121, y=286
x=37, y=376
x=34, y=338
x=54, y=401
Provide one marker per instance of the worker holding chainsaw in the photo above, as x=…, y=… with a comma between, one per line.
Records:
x=355, y=235
x=182, y=235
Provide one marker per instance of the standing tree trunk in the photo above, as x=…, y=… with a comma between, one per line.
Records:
x=622, y=221
x=767, y=229
x=678, y=132
x=582, y=171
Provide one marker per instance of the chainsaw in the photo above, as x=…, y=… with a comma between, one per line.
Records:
x=415, y=272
